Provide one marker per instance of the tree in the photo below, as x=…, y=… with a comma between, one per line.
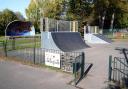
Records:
x=43, y=8
x=6, y=16
x=121, y=14
x=98, y=12
x=32, y=14
x=51, y=9
x=80, y=9
x=110, y=8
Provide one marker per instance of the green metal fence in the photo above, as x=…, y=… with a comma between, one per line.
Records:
x=28, y=49
x=72, y=62
x=118, y=67
x=78, y=68
x=3, y=48
x=116, y=33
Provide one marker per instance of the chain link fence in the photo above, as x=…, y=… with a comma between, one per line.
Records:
x=48, y=24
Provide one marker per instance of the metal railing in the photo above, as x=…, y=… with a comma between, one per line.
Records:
x=116, y=34
x=118, y=69
x=118, y=66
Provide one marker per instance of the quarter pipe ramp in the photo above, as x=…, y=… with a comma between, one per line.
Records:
x=64, y=41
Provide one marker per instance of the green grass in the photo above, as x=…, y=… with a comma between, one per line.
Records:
x=21, y=42
x=24, y=45
x=110, y=35
x=2, y=38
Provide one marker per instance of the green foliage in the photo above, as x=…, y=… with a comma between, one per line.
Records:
x=51, y=9
x=6, y=16
x=32, y=14
x=43, y=8
x=123, y=21
x=82, y=11
x=109, y=7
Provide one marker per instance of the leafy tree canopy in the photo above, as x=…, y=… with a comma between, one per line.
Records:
x=82, y=10
x=6, y=16
x=43, y=8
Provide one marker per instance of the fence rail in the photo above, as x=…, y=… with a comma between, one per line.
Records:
x=118, y=67
x=116, y=33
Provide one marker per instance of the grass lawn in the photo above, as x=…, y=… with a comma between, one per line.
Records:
x=120, y=40
x=21, y=42
x=2, y=38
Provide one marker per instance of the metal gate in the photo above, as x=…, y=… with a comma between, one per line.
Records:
x=118, y=67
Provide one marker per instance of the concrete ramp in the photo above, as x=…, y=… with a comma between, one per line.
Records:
x=97, y=38
x=64, y=41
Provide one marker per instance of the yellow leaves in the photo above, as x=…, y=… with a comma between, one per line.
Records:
x=123, y=5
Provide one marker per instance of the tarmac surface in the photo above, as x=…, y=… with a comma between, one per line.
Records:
x=18, y=76
x=15, y=75
x=98, y=54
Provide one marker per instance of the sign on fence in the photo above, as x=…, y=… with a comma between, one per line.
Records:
x=52, y=59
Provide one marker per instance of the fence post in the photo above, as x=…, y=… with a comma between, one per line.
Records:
x=125, y=55
x=110, y=68
x=5, y=47
x=75, y=72
x=82, y=64
x=34, y=50
x=13, y=42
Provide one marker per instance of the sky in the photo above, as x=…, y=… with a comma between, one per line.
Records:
x=15, y=5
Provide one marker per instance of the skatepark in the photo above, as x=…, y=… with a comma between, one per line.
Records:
x=69, y=52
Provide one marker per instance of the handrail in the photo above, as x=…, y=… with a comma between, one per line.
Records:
x=121, y=61
x=120, y=49
x=123, y=50
x=120, y=71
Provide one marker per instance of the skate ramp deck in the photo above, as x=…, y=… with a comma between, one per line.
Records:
x=68, y=41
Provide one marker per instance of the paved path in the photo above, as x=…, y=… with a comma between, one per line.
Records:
x=17, y=76
x=99, y=56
